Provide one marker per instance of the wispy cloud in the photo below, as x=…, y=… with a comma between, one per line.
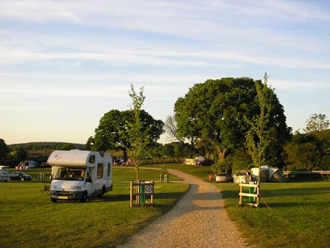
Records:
x=16, y=56
x=160, y=58
x=90, y=85
x=210, y=20
x=299, y=85
x=38, y=11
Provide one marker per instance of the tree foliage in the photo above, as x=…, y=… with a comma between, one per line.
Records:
x=18, y=153
x=129, y=131
x=187, y=124
x=216, y=111
x=316, y=122
x=258, y=137
x=137, y=136
x=4, y=149
x=308, y=151
x=113, y=130
x=67, y=146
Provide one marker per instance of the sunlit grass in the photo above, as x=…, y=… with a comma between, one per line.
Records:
x=30, y=219
x=298, y=213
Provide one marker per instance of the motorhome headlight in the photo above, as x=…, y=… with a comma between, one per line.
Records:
x=53, y=187
x=76, y=187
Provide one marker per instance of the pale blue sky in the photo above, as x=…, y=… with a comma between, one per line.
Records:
x=65, y=63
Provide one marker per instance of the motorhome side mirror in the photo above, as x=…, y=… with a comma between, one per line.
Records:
x=88, y=180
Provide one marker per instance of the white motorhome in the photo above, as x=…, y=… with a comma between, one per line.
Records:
x=4, y=174
x=77, y=175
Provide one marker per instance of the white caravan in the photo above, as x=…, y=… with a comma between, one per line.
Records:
x=77, y=175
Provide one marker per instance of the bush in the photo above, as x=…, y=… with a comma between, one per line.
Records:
x=224, y=166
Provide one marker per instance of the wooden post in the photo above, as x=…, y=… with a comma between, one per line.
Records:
x=138, y=193
x=131, y=194
x=240, y=196
x=258, y=194
x=152, y=196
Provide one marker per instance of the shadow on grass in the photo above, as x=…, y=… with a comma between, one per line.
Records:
x=295, y=192
x=125, y=197
x=296, y=204
x=281, y=192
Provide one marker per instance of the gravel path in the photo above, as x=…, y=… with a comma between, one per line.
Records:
x=198, y=220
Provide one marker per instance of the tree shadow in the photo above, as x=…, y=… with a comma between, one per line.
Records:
x=297, y=204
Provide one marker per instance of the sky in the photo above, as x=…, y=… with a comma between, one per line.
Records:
x=65, y=63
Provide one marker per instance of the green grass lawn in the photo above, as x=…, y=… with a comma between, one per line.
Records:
x=202, y=172
x=298, y=214
x=30, y=219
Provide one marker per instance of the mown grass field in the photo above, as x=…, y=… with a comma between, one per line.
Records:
x=29, y=219
x=298, y=215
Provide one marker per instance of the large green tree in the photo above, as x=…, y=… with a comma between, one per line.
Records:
x=113, y=130
x=187, y=127
x=217, y=110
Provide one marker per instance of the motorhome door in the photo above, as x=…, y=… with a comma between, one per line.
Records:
x=89, y=182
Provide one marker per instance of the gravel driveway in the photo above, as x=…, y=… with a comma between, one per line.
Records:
x=198, y=220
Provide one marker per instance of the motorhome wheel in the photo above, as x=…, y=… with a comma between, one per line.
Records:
x=84, y=197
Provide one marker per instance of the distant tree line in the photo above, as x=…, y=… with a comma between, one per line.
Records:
x=38, y=146
x=15, y=153
x=310, y=150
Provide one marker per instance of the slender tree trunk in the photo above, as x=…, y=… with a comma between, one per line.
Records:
x=125, y=154
x=137, y=172
x=191, y=150
x=222, y=153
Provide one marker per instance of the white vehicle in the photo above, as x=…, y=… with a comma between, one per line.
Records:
x=4, y=174
x=77, y=175
x=221, y=178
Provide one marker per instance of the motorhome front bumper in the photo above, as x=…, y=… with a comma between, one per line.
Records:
x=66, y=195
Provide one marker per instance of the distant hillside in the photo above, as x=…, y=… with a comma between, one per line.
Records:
x=46, y=145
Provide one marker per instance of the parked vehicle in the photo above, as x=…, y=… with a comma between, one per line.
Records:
x=221, y=178
x=119, y=161
x=44, y=165
x=18, y=175
x=206, y=162
x=78, y=175
x=4, y=174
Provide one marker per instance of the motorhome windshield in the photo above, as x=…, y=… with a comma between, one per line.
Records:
x=74, y=174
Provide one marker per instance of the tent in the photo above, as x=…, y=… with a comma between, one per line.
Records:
x=268, y=174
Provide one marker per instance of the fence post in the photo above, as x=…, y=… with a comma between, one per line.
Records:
x=131, y=194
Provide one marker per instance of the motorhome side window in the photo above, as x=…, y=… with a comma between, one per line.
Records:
x=92, y=159
x=109, y=169
x=100, y=170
